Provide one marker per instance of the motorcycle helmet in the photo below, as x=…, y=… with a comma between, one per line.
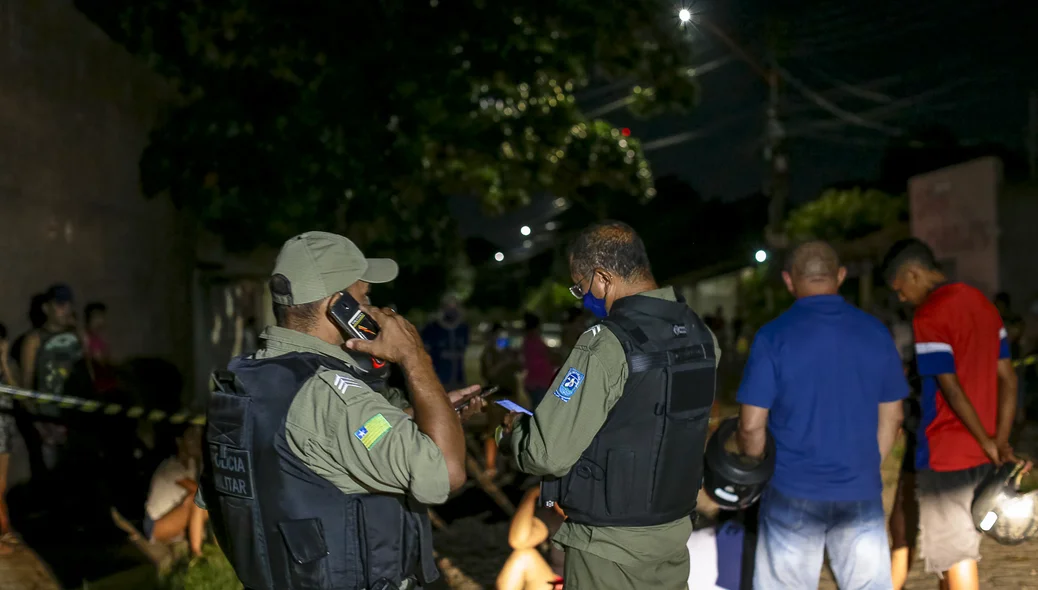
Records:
x=372, y=368
x=735, y=482
x=1001, y=511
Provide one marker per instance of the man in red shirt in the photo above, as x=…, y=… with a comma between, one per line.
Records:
x=968, y=403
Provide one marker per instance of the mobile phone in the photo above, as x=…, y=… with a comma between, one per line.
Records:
x=348, y=315
x=513, y=407
x=485, y=393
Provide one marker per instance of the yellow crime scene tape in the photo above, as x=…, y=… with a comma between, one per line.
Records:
x=1026, y=361
x=186, y=416
x=108, y=409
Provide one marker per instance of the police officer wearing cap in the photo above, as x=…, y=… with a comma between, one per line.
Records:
x=620, y=433
x=315, y=474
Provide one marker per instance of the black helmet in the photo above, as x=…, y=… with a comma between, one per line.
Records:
x=372, y=368
x=1001, y=511
x=732, y=481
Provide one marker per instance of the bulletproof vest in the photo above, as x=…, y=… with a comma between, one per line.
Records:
x=645, y=465
x=281, y=525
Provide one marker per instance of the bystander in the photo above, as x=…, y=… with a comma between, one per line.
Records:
x=826, y=380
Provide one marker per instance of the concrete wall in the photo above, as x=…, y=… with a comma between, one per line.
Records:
x=75, y=110
x=1018, y=256
x=955, y=211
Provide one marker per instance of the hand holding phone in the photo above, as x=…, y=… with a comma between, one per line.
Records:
x=348, y=315
x=396, y=339
x=482, y=395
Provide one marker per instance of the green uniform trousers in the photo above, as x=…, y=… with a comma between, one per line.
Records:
x=585, y=571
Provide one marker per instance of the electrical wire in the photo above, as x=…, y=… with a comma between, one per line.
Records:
x=831, y=107
x=626, y=100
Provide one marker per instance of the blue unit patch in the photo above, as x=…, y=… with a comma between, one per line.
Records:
x=570, y=383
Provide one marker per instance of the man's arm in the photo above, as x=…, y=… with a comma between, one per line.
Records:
x=935, y=358
x=1007, y=400
x=399, y=341
x=891, y=415
x=435, y=416
x=1007, y=391
x=893, y=390
x=757, y=393
x=578, y=402
x=355, y=439
x=753, y=430
x=952, y=391
x=6, y=373
x=30, y=347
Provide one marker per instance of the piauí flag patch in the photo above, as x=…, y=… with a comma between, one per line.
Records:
x=373, y=430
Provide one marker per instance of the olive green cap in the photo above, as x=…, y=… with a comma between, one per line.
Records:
x=319, y=264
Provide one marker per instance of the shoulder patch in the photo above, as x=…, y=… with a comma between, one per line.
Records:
x=570, y=383
x=594, y=330
x=346, y=385
x=373, y=430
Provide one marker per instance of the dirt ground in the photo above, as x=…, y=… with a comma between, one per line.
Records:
x=479, y=549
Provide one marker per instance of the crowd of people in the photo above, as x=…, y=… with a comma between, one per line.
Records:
x=312, y=448
x=65, y=353
x=57, y=350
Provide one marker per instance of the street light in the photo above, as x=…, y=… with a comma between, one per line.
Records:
x=760, y=256
x=500, y=256
x=684, y=15
x=525, y=230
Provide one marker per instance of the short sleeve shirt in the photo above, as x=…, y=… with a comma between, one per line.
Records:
x=822, y=369
x=957, y=330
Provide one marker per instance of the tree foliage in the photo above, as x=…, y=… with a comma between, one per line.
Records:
x=360, y=117
x=843, y=215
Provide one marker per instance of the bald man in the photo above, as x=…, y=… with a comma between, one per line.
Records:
x=826, y=380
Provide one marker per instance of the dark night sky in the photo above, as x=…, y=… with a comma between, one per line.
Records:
x=966, y=64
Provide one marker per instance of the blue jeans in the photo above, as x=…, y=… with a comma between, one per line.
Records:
x=795, y=534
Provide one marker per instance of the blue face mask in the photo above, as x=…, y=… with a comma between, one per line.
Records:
x=595, y=305
x=502, y=342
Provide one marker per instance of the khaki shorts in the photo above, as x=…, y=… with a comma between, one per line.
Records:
x=947, y=533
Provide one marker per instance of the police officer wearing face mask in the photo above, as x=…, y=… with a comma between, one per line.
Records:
x=619, y=436
x=315, y=475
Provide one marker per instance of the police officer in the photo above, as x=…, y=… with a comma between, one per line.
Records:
x=620, y=433
x=315, y=476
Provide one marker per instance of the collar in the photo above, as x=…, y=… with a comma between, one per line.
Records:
x=278, y=341
x=820, y=300
x=665, y=293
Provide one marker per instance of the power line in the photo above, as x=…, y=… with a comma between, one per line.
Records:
x=692, y=134
x=856, y=90
x=831, y=107
x=626, y=100
x=706, y=131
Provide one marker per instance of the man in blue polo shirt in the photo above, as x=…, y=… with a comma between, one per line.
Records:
x=826, y=380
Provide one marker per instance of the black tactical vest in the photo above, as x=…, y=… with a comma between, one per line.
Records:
x=645, y=466
x=282, y=526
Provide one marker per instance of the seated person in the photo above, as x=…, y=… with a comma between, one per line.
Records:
x=170, y=511
x=526, y=568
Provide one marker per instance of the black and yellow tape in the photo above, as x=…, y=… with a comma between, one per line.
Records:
x=1026, y=361
x=108, y=409
x=182, y=416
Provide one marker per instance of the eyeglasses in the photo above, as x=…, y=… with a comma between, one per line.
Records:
x=576, y=289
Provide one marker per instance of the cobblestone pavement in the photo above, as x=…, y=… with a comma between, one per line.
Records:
x=1000, y=566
